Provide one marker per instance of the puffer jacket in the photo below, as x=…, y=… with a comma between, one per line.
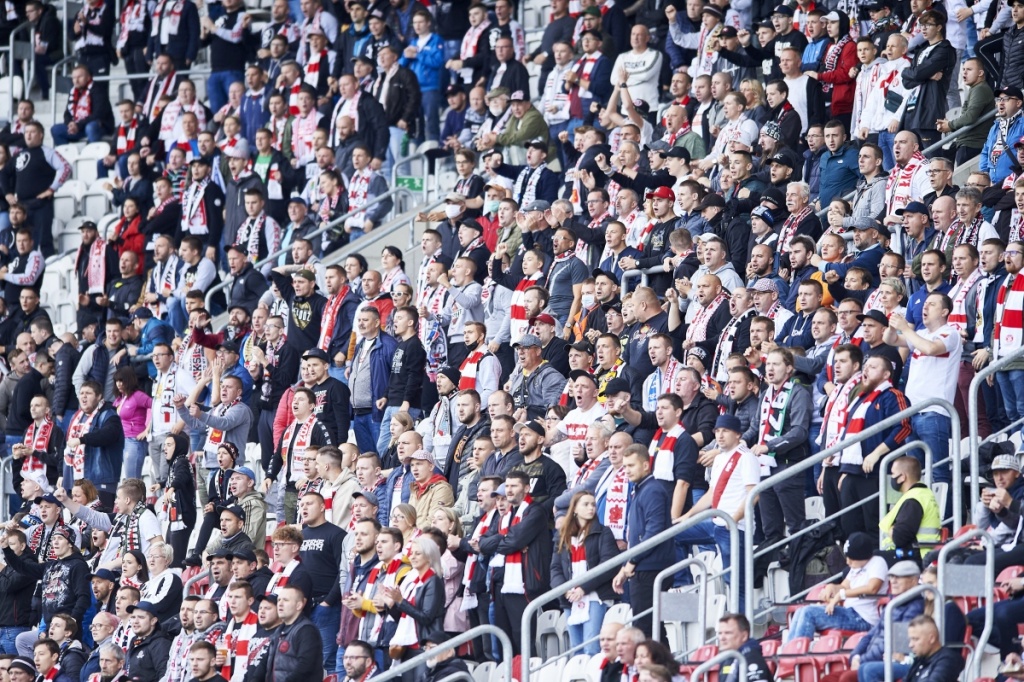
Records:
x=146, y=660
x=16, y=590
x=296, y=653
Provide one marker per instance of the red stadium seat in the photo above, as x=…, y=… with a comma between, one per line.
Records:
x=704, y=653
x=822, y=649
x=792, y=660
x=769, y=649
x=1009, y=573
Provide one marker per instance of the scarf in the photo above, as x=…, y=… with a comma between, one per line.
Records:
x=835, y=414
x=406, y=633
x=191, y=356
x=373, y=622
x=526, y=182
x=40, y=542
x=900, y=183
x=193, y=213
x=853, y=452
x=80, y=425
x=281, y=579
x=469, y=599
x=958, y=233
x=726, y=340
x=789, y=227
x=723, y=478
x=237, y=637
x=126, y=135
x=359, y=189
x=133, y=20
x=662, y=451
x=1009, y=318
x=832, y=59
x=80, y=103
x=614, y=489
x=312, y=76
x=294, y=443
x=293, y=99
x=1016, y=225
x=157, y=90
x=472, y=39
x=127, y=527
x=1001, y=144
x=514, y=562
x=37, y=441
x=468, y=368
x=166, y=26
x=330, y=317
x=698, y=330
x=303, y=128
x=214, y=437
x=346, y=107
x=661, y=382
x=251, y=233
x=579, y=612
x=96, y=267
x=519, y=323
x=774, y=407
x=958, y=316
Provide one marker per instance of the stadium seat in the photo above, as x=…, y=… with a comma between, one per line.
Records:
x=551, y=672
x=702, y=654
x=791, y=658
x=549, y=641
x=69, y=152
x=85, y=164
x=1009, y=573
x=96, y=200
x=769, y=649
x=65, y=201
x=103, y=224
x=578, y=668
x=821, y=651
x=10, y=86
x=563, y=631
x=815, y=508
x=620, y=613
x=482, y=673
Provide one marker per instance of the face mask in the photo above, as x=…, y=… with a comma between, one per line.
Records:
x=491, y=205
x=588, y=301
x=495, y=110
x=452, y=211
x=894, y=484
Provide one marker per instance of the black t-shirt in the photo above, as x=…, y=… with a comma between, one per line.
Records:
x=890, y=353
x=322, y=554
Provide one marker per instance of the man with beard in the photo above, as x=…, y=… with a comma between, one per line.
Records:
x=149, y=647
x=202, y=662
x=96, y=266
x=247, y=284
x=908, y=180
x=735, y=334
x=650, y=320
x=182, y=642
x=548, y=476
x=305, y=307
x=712, y=316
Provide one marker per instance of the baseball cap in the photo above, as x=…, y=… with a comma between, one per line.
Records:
x=876, y=315
x=765, y=214
x=455, y=197
x=454, y=89
x=616, y=385
x=783, y=159
x=582, y=373
x=39, y=478
x=534, y=425
x=316, y=354
x=677, y=153
x=296, y=199
x=147, y=606
x=711, y=200
x=205, y=160
x=305, y=274
x=765, y=284
x=517, y=96
x=245, y=471
x=583, y=346
x=105, y=574
x=538, y=205
x=538, y=142
x=236, y=510
x=728, y=32
x=859, y=547
x=662, y=193
x=598, y=272
x=229, y=346
x=783, y=9
x=1004, y=462
x=592, y=11
x=1011, y=91
x=142, y=313
x=243, y=553
x=832, y=16
x=642, y=107
x=88, y=225
x=528, y=341
x=905, y=569
x=369, y=496
x=49, y=497
x=914, y=207
x=543, y=318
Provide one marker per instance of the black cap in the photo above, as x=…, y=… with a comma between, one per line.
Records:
x=616, y=385
x=784, y=159
x=712, y=200
x=784, y=10
x=1011, y=91
x=316, y=354
x=775, y=196
x=454, y=89
x=364, y=59
x=204, y=160
x=436, y=637
x=260, y=598
x=451, y=373
x=598, y=272
x=234, y=509
x=229, y=346
x=244, y=553
x=859, y=547
x=222, y=553
x=538, y=142
x=48, y=498
x=876, y=315
x=616, y=306
x=535, y=425
x=582, y=373
x=677, y=153
x=583, y=346
x=728, y=32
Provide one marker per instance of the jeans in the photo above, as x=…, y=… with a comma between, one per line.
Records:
x=217, y=84
x=176, y=315
x=581, y=632
x=885, y=141
x=875, y=671
x=121, y=164
x=432, y=114
x=367, y=431
x=7, y=636
x=708, y=531
x=1011, y=385
x=326, y=619
x=810, y=619
x=384, y=437
x=394, y=150
x=135, y=452
x=933, y=428
x=93, y=132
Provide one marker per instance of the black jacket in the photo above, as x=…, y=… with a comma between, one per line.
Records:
x=296, y=653
x=403, y=99
x=16, y=596
x=447, y=668
x=99, y=111
x=65, y=583
x=532, y=537
x=599, y=546
x=425, y=606
x=930, y=103
x=146, y=659
x=942, y=666
x=247, y=287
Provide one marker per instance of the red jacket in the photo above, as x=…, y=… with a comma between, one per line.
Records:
x=843, y=85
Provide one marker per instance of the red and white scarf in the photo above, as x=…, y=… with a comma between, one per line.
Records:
x=835, y=414
x=359, y=189
x=789, y=227
x=1016, y=225
x=662, y=381
x=1009, y=320
x=126, y=135
x=858, y=410
x=294, y=443
x=726, y=340
x=406, y=634
x=514, y=583
x=281, y=579
x=958, y=233
x=80, y=425
x=250, y=234
x=615, y=501
x=519, y=323
x=303, y=128
x=237, y=637
x=471, y=40
x=386, y=576
x=900, y=183
x=133, y=19
x=312, y=76
x=698, y=330
x=158, y=89
x=469, y=367
x=330, y=316
x=580, y=610
x=586, y=471
x=469, y=599
x=193, y=213
x=662, y=451
x=293, y=99
x=832, y=59
x=165, y=27
x=958, y=316
x=37, y=441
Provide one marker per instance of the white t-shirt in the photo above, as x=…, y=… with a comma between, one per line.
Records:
x=859, y=577
x=747, y=472
x=575, y=426
x=931, y=372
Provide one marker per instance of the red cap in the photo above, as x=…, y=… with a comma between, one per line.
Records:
x=544, y=318
x=662, y=193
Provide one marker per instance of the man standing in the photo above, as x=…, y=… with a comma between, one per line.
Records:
x=296, y=648
x=39, y=171
x=367, y=375
x=322, y=557
x=95, y=443
x=147, y=653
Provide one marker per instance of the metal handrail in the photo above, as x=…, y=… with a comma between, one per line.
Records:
x=405, y=161
x=974, y=441
x=6, y=464
x=883, y=469
x=702, y=593
x=10, y=59
x=606, y=567
x=989, y=590
x=809, y=462
x=395, y=671
x=198, y=577
x=887, y=630
x=271, y=257
x=722, y=657
x=54, y=70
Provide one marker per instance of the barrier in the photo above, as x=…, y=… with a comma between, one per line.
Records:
x=395, y=671
x=961, y=580
x=889, y=630
x=809, y=462
x=706, y=666
x=606, y=567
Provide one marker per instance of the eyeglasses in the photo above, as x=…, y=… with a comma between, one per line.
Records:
x=1004, y=99
x=1012, y=253
x=937, y=171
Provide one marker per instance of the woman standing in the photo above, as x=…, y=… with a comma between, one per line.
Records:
x=134, y=570
x=401, y=423
x=403, y=517
x=447, y=522
x=179, y=496
x=133, y=407
x=164, y=588
x=392, y=269
x=838, y=76
x=583, y=543
x=418, y=604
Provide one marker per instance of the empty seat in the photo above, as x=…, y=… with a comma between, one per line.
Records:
x=620, y=613
x=69, y=152
x=815, y=508
x=578, y=668
x=549, y=641
x=65, y=201
x=482, y=673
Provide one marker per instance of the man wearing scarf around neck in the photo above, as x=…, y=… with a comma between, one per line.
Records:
x=131, y=526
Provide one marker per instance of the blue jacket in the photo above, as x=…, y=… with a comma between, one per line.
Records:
x=915, y=304
x=243, y=375
x=156, y=331
x=104, y=448
x=1004, y=162
x=427, y=64
x=887, y=404
x=400, y=475
x=872, y=647
x=869, y=259
x=814, y=53
x=185, y=44
x=254, y=114
x=380, y=368
x=839, y=173
x=647, y=515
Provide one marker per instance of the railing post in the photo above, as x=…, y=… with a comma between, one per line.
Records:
x=396, y=670
x=903, y=599
x=989, y=589
x=5, y=464
x=10, y=63
x=734, y=654
x=702, y=606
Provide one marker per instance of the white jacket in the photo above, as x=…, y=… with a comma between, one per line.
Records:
x=882, y=78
